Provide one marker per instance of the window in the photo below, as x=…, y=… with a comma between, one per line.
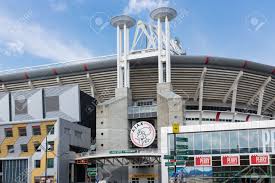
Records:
x=22, y=131
x=151, y=180
x=67, y=131
x=52, y=103
x=10, y=148
x=50, y=129
x=24, y=147
x=21, y=106
x=51, y=146
x=50, y=163
x=78, y=134
x=37, y=163
x=36, y=130
x=36, y=146
x=8, y=132
x=135, y=180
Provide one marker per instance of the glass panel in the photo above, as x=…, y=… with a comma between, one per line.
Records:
x=198, y=143
x=243, y=136
x=206, y=143
x=234, y=142
x=216, y=143
x=225, y=142
x=253, y=141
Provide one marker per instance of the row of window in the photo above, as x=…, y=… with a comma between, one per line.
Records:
x=233, y=141
x=212, y=119
x=51, y=103
x=22, y=131
x=149, y=180
x=50, y=163
x=36, y=145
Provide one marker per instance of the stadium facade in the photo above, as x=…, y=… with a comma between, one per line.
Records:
x=114, y=115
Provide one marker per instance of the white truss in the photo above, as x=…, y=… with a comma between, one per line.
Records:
x=146, y=38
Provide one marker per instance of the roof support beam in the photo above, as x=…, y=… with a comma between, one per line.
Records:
x=92, y=86
x=234, y=89
x=4, y=88
x=199, y=91
x=260, y=95
x=58, y=80
x=268, y=104
x=30, y=84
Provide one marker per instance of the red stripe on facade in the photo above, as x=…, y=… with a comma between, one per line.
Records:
x=85, y=67
x=247, y=118
x=206, y=60
x=218, y=116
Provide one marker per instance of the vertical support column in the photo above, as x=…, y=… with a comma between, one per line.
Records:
x=160, y=65
x=167, y=47
x=260, y=103
x=234, y=98
x=125, y=56
x=128, y=63
x=118, y=56
x=201, y=96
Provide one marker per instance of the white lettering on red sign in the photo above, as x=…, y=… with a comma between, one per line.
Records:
x=259, y=159
x=230, y=160
x=203, y=161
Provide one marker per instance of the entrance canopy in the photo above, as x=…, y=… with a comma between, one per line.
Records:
x=123, y=158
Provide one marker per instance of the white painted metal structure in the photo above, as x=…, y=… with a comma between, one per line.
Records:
x=161, y=15
x=123, y=23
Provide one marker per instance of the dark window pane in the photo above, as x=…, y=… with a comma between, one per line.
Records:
x=51, y=103
x=24, y=148
x=36, y=130
x=50, y=163
x=21, y=106
x=50, y=129
x=22, y=131
x=8, y=132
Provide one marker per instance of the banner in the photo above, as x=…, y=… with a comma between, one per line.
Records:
x=230, y=160
x=202, y=160
x=259, y=159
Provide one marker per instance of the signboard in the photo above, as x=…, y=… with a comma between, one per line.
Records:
x=181, y=147
x=122, y=151
x=91, y=174
x=176, y=128
x=181, y=139
x=230, y=160
x=169, y=163
x=259, y=159
x=202, y=160
x=143, y=134
x=91, y=169
x=181, y=157
x=82, y=162
x=169, y=157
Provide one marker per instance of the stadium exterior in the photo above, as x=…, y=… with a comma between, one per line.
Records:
x=224, y=106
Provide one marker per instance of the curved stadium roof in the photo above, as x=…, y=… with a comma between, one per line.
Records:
x=186, y=73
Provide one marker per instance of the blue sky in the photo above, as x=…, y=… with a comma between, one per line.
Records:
x=42, y=32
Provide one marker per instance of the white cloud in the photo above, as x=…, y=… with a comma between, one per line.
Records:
x=20, y=37
x=136, y=6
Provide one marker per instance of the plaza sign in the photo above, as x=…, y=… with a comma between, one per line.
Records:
x=230, y=160
x=143, y=134
x=259, y=159
x=202, y=160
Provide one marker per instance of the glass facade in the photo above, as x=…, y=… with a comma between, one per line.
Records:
x=218, y=143
x=229, y=142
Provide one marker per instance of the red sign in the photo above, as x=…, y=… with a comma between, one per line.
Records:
x=259, y=159
x=230, y=160
x=82, y=162
x=203, y=160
